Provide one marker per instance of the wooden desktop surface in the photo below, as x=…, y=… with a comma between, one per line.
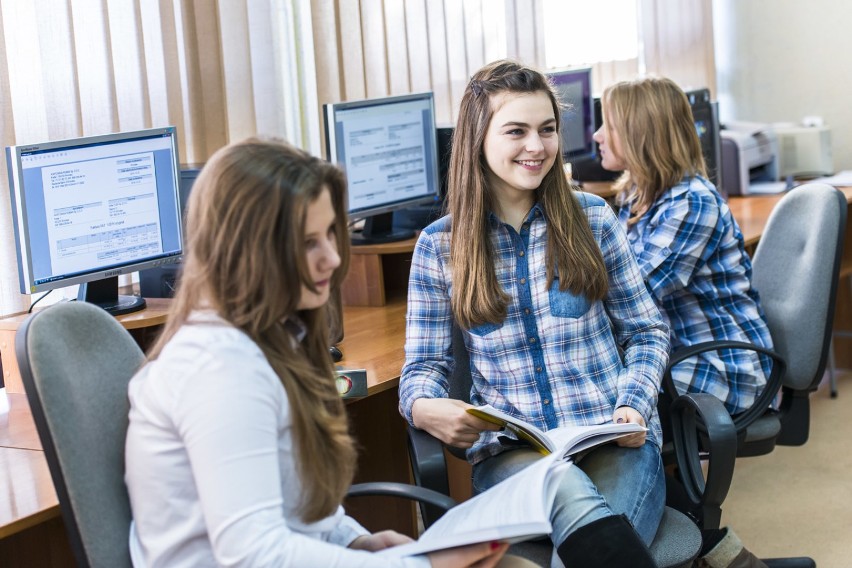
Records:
x=373, y=340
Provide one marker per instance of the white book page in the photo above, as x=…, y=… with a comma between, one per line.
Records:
x=574, y=439
x=516, y=509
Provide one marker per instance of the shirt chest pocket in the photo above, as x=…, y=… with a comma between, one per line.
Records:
x=564, y=304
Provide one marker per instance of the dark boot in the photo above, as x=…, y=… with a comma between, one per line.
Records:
x=729, y=552
x=610, y=542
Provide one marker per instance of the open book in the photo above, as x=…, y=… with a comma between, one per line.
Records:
x=516, y=509
x=519, y=507
x=568, y=440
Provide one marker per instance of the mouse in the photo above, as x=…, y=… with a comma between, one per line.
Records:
x=336, y=353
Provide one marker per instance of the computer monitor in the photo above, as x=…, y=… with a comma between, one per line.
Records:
x=388, y=149
x=89, y=209
x=574, y=87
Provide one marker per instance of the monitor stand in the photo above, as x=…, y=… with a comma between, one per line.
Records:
x=379, y=229
x=104, y=294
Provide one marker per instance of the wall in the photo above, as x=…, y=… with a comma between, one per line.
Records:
x=781, y=60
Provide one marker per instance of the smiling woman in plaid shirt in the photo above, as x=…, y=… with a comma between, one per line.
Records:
x=555, y=316
x=689, y=248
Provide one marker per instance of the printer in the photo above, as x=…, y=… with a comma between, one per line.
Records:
x=804, y=150
x=749, y=153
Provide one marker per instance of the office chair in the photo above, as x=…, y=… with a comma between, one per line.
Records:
x=678, y=540
x=75, y=362
x=795, y=270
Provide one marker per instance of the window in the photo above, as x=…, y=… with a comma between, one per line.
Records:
x=590, y=31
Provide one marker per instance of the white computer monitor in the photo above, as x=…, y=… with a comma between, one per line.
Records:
x=89, y=209
x=389, y=151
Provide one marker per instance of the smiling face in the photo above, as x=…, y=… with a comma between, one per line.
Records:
x=321, y=254
x=521, y=142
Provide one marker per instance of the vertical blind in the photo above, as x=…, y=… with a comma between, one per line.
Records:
x=221, y=70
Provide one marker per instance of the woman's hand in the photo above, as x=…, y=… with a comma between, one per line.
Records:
x=448, y=420
x=379, y=541
x=627, y=414
x=483, y=555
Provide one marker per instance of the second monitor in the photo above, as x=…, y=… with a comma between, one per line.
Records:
x=388, y=149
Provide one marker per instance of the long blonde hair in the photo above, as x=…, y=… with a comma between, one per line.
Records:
x=245, y=259
x=571, y=248
x=659, y=143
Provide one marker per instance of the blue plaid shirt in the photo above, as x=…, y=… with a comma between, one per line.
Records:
x=692, y=257
x=557, y=358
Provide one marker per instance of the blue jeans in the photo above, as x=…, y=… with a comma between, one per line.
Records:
x=609, y=480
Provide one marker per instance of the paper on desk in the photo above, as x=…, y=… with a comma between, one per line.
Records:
x=840, y=178
x=766, y=187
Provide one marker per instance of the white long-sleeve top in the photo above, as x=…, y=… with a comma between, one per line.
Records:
x=211, y=468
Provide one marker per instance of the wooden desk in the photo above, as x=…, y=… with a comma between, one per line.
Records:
x=373, y=340
x=31, y=529
x=142, y=325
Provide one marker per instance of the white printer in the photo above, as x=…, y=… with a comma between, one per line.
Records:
x=804, y=150
x=749, y=153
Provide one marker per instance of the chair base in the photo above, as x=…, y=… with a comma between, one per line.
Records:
x=801, y=562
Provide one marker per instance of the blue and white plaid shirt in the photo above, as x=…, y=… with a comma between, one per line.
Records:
x=692, y=257
x=557, y=359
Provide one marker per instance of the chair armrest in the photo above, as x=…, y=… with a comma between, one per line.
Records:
x=404, y=491
x=763, y=400
x=428, y=462
x=703, y=415
x=429, y=467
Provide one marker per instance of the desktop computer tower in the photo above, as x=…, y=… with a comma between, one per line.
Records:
x=161, y=282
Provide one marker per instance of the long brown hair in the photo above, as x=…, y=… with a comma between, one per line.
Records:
x=245, y=259
x=659, y=143
x=571, y=248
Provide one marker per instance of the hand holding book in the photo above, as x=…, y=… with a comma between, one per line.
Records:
x=519, y=507
x=569, y=440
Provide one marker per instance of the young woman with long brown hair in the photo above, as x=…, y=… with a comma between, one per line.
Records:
x=554, y=314
x=238, y=450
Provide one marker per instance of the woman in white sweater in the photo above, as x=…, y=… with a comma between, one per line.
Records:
x=238, y=451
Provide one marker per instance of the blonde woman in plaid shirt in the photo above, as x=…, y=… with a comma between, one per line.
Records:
x=691, y=254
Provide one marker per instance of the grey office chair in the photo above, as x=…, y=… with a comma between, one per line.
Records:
x=795, y=270
x=75, y=362
x=678, y=540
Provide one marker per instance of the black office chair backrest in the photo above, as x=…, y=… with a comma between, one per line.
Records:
x=76, y=361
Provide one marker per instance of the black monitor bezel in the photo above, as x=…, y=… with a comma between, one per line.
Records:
x=584, y=76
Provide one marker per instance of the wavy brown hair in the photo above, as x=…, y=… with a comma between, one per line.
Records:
x=659, y=143
x=572, y=252
x=245, y=259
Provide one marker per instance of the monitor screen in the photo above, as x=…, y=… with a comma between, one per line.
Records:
x=388, y=149
x=574, y=87
x=89, y=209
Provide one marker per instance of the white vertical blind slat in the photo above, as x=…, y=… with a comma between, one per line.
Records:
x=375, y=48
x=236, y=70
x=397, y=34
x=439, y=61
x=95, y=78
x=129, y=66
x=419, y=46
